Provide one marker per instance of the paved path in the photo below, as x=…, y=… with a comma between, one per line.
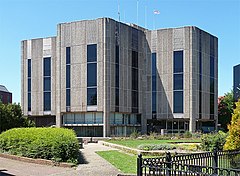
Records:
x=96, y=166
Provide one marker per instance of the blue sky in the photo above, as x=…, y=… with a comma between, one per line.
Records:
x=26, y=19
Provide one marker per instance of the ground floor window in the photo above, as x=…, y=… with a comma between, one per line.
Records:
x=83, y=118
x=125, y=119
x=167, y=126
x=43, y=121
x=88, y=131
x=123, y=130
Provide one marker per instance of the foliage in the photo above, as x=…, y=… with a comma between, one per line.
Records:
x=156, y=147
x=126, y=163
x=187, y=134
x=57, y=144
x=233, y=139
x=11, y=116
x=189, y=147
x=134, y=143
x=135, y=134
x=212, y=141
x=225, y=109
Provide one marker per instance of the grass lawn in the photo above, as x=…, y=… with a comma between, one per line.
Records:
x=124, y=162
x=134, y=143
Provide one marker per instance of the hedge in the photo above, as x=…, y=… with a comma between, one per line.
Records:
x=57, y=144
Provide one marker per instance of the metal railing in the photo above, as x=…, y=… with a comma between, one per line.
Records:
x=209, y=163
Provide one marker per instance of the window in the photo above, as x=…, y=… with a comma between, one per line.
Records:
x=117, y=78
x=134, y=81
x=212, y=75
x=29, y=62
x=154, y=102
x=68, y=97
x=91, y=96
x=68, y=55
x=29, y=101
x=47, y=66
x=68, y=77
x=47, y=101
x=211, y=66
x=178, y=82
x=47, y=84
x=178, y=62
x=154, y=86
x=92, y=53
x=92, y=74
x=178, y=101
x=29, y=67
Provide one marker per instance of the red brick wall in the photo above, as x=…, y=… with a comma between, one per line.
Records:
x=4, y=97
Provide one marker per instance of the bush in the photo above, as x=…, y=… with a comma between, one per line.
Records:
x=135, y=134
x=187, y=134
x=156, y=147
x=57, y=144
x=212, y=141
x=233, y=140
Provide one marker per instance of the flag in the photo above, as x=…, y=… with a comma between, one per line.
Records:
x=156, y=12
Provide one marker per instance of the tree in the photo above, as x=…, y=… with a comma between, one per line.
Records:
x=225, y=110
x=11, y=116
x=233, y=139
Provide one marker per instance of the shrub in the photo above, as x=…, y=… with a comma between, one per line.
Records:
x=57, y=144
x=156, y=147
x=187, y=134
x=212, y=141
x=135, y=134
x=233, y=140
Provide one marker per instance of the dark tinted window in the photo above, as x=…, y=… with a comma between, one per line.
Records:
x=47, y=66
x=68, y=76
x=134, y=59
x=154, y=85
x=211, y=45
x=68, y=97
x=29, y=84
x=178, y=82
x=154, y=102
x=29, y=67
x=200, y=63
x=91, y=74
x=47, y=84
x=117, y=96
x=134, y=79
x=92, y=53
x=178, y=62
x=47, y=101
x=29, y=101
x=153, y=63
x=211, y=103
x=211, y=66
x=212, y=85
x=117, y=75
x=117, y=54
x=134, y=99
x=68, y=55
x=178, y=102
x=92, y=96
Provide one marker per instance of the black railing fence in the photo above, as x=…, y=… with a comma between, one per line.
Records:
x=200, y=164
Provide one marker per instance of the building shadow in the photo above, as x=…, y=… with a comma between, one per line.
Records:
x=3, y=173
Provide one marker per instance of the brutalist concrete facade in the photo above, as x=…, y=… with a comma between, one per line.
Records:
x=123, y=78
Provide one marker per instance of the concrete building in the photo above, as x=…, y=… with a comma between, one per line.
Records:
x=105, y=78
x=236, y=82
x=5, y=95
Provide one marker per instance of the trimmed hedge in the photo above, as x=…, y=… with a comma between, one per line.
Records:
x=156, y=147
x=57, y=144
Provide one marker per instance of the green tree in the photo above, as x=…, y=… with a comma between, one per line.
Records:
x=225, y=110
x=11, y=116
x=233, y=139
